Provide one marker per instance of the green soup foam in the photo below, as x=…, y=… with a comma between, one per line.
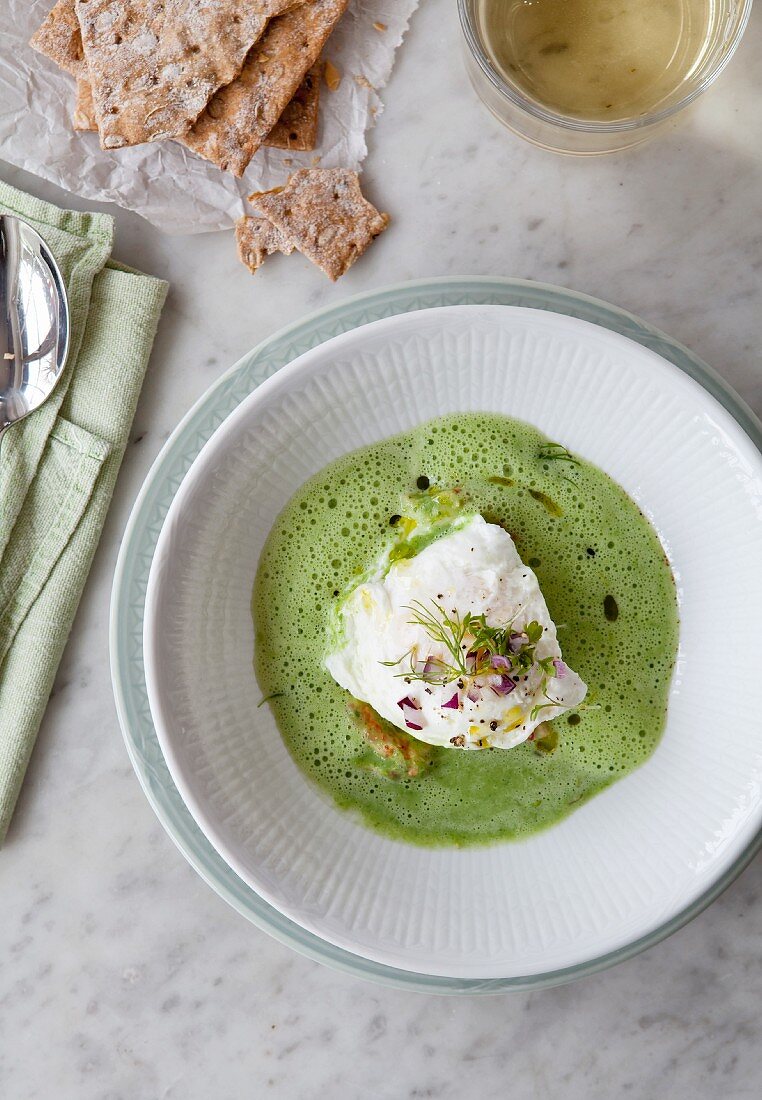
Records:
x=603, y=573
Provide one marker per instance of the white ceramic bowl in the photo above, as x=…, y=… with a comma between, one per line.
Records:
x=624, y=863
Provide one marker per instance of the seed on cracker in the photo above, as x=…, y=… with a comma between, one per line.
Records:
x=323, y=213
x=257, y=238
x=83, y=117
x=297, y=126
x=239, y=117
x=60, y=39
x=154, y=64
x=332, y=76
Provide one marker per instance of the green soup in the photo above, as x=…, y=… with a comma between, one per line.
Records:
x=603, y=573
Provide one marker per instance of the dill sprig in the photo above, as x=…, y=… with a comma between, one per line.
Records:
x=267, y=698
x=538, y=708
x=556, y=452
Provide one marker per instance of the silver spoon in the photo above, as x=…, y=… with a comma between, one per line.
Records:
x=34, y=321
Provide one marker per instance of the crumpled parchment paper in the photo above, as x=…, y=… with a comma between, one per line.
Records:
x=173, y=188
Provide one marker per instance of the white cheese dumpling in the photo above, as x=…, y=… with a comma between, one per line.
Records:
x=456, y=645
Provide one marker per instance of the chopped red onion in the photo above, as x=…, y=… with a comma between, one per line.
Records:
x=408, y=702
x=560, y=667
x=410, y=709
x=498, y=661
x=452, y=704
x=516, y=641
x=474, y=694
x=430, y=666
x=505, y=686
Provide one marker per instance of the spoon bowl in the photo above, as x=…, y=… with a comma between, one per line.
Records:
x=34, y=321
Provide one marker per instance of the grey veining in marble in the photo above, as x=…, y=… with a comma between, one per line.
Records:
x=122, y=975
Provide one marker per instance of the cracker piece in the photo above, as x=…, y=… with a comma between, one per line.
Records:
x=322, y=212
x=239, y=117
x=332, y=76
x=257, y=238
x=60, y=39
x=83, y=117
x=154, y=64
x=297, y=126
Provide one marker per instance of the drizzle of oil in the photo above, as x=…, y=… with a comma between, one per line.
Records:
x=548, y=742
x=548, y=504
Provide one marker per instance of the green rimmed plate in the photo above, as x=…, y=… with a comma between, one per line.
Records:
x=146, y=522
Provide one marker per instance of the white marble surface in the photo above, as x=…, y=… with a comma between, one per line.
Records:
x=121, y=974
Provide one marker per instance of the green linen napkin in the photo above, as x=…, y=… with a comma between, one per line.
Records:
x=59, y=466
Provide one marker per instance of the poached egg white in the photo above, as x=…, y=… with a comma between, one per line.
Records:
x=475, y=568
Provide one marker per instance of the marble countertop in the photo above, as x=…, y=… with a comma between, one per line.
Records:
x=122, y=975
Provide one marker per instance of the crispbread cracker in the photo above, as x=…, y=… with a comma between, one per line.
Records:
x=323, y=212
x=257, y=238
x=83, y=117
x=239, y=117
x=154, y=64
x=60, y=39
x=297, y=126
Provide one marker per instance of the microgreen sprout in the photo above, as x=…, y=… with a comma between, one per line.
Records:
x=472, y=647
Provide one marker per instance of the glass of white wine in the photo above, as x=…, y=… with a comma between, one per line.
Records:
x=593, y=76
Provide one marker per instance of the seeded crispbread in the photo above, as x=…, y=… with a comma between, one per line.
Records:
x=60, y=39
x=297, y=126
x=83, y=117
x=295, y=129
x=239, y=117
x=154, y=64
x=323, y=212
x=257, y=238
